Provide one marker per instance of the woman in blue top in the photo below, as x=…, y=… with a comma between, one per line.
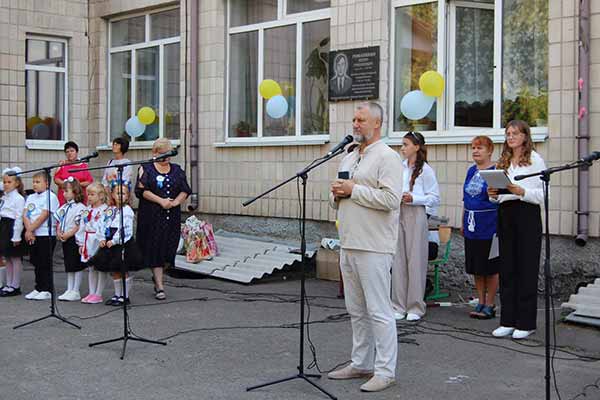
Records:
x=479, y=228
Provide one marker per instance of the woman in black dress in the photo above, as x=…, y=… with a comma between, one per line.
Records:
x=162, y=188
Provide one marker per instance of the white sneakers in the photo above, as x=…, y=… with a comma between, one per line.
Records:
x=517, y=334
x=377, y=383
x=70, y=295
x=349, y=372
x=399, y=316
x=412, y=317
x=32, y=295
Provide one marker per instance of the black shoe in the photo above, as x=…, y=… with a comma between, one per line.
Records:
x=119, y=301
x=112, y=301
x=9, y=291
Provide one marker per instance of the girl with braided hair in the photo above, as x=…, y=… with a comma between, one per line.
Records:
x=420, y=198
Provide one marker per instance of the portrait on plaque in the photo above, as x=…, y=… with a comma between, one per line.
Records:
x=354, y=74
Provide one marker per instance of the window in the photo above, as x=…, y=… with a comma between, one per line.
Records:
x=492, y=53
x=144, y=70
x=288, y=43
x=46, y=83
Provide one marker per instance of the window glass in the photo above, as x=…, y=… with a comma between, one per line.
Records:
x=147, y=87
x=247, y=12
x=45, y=105
x=525, y=61
x=415, y=53
x=280, y=65
x=295, y=6
x=164, y=24
x=128, y=31
x=315, y=65
x=120, y=92
x=171, y=91
x=43, y=52
x=243, y=89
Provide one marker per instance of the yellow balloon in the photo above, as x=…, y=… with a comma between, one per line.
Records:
x=337, y=224
x=269, y=88
x=146, y=115
x=432, y=83
x=32, y=121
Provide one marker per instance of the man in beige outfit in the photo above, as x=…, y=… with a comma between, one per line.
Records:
x=368, y=205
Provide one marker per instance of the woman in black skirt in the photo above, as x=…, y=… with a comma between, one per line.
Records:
x=162, y=188
x=519, y=233
x=479, y=229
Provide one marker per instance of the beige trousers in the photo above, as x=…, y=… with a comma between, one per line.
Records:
x=409, y=268
x=366, y=287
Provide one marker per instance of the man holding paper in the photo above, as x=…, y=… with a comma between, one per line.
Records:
x=519, y=233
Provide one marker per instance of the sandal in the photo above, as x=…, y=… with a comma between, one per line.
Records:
x=160, y=295
x=478, y=311
x=488, y=312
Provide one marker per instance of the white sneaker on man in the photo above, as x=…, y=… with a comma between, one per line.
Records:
x=43, y=296
x=412, y=317
x=71, y=295
x=349, y=372
x=32, y=295
x=519, y=334
x=377, y=384
x=503, y=331
x=399, y=316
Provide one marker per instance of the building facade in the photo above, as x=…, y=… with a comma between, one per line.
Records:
x=77, y=70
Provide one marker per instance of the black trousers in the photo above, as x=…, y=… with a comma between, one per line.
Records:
x=40, y=256
x=520, y=240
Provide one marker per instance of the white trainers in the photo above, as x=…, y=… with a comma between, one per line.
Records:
x=63, y=297
x=32, y=295
x=503, y=331
x=519, y=334
x=377, y=384
x=399, y=316
x=43, y=296
x=349, y=372
x=412, y=317
x=71, y=295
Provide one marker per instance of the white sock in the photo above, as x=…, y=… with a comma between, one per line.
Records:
x=70, y=279
x=92, y=280
x=3, y=276
x=17, y=267
x=101, y=282
x=118, y=287
x=77, y=277
x=128, y=285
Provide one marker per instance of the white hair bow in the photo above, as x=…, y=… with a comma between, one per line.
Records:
x=16, y=170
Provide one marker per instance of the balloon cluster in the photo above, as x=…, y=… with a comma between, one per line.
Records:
x=136, y=125
x=277, y=105
x=417, y=103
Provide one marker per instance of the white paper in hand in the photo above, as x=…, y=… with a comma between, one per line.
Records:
x=496, y=178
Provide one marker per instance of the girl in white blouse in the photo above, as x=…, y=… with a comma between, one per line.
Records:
x=11, y=230
x=420, y=195
x=519, y=233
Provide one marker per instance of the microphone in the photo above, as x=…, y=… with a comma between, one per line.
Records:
x=88, y=157
x=595, y=155
x=168, y=154
x=346, y=141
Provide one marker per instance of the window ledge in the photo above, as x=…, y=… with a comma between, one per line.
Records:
x=317, y=141
x=33, y=144
x=465, y=136
x=136, y=146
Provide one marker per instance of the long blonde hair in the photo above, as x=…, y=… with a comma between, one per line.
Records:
x=507, y=152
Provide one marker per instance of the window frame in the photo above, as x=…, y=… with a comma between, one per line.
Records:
x=41, y=144
x=283, y=19
x=446, y=132
x=133, y=48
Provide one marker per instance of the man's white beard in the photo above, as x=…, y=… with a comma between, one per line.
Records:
x=362, y=138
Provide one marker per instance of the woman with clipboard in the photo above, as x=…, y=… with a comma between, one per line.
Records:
x=519, y=233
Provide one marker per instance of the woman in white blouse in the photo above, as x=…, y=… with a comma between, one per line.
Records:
x=519, y=233
x=420, y=195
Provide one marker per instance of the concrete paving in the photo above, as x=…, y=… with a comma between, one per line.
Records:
x=223, y=337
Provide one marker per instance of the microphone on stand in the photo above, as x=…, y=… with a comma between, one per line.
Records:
x=88, y=157
x=168, y=154
x=346, y=141
x=595, y=155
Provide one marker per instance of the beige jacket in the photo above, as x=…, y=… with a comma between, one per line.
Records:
x=368, y=219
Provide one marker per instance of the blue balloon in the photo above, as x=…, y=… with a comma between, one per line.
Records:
x=416, y=104
x=134, y=127
x=277, y=106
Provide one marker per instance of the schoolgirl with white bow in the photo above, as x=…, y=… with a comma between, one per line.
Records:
x=12, y=247
x=92, y=220
x=69, y=218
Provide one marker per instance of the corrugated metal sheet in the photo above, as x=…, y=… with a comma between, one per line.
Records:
x=586, y=302
x=244, y=260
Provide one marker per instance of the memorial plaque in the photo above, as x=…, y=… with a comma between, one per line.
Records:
x=354, y=74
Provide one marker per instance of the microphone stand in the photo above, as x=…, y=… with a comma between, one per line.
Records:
x=127, y=333
x=304, y=176
x=545, y=177
x=53, y=308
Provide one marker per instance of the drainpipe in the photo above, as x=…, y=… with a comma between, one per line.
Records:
x=583, y=125
x=194, y=143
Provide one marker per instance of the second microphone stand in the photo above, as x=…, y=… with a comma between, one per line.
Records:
x=303, y=175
